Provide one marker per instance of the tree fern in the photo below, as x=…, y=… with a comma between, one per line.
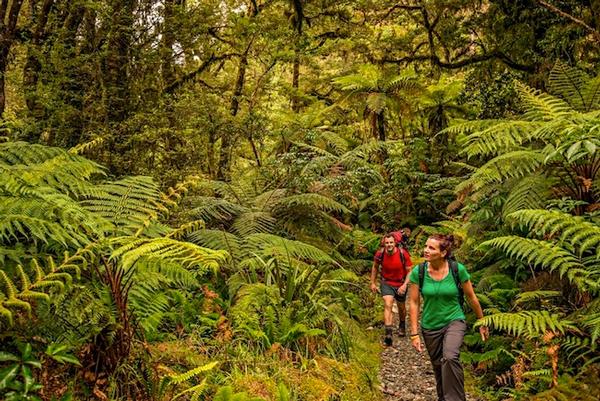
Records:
x=129, y=203
x=35, y=288
x=574, y=230
x=542, y=253
x=528, y=323
x=528, y=193
x=515, y=164
x=186, y=253
x=541, y=106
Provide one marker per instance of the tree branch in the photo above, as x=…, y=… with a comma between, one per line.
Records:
x=579, y=22
x=496, y=54
x=173, y=86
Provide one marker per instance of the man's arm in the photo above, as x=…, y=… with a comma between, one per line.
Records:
x=374, y=271
x=407, y=269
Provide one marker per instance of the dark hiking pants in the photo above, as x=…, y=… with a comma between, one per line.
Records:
x=443, y=346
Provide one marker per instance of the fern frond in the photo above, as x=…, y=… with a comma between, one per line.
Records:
x=514, y=164
x=591, y=94
x=353, y=83
x=86, y=146
x=217, y=209
x=574, y=230
x=529, y=323
x=183, y=377
x=253, y=222
x=402, y=83
x=494, y=137
x=529, y=296
x=132, y=201
x=529, y=193
x=540, y=253
x=195, y=391
x=186, y=229
x=568, y=82
x=273, y=245
x=313, y=200
x=36, y=229
x=216, y=239
x=541, y=106
x=168, y=249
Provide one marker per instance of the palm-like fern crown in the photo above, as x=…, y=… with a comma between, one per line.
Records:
x=50, y=204
x=556, y=138
x=549, y=152
x=380, y=91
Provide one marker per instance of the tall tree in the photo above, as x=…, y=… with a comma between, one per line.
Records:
x=8, y=30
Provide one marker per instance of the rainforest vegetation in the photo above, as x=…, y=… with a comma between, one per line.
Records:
x=191, y=191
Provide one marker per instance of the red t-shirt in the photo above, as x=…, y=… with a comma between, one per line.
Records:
x=392, y=270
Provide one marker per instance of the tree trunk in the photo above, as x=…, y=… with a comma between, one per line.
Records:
x=33, y=65
x=381, y=126
x=168, y=40
x=595, y=7
x=117, y=60
x=227, y=138
x=295, y=83
x=8, y=25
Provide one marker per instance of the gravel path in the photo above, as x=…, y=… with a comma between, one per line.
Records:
x=405, y=374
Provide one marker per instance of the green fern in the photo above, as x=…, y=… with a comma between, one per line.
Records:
x=31, y=290
x=531, y=324
x=542, y=253
x=574, y=230
x=186, y=253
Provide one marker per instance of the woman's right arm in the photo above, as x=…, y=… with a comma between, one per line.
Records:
x=413, y=303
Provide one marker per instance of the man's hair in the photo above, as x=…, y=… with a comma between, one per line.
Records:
x=389, y=235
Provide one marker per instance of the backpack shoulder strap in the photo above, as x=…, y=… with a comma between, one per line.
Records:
x=402, y=257
x=454, y=269
x=421, y=267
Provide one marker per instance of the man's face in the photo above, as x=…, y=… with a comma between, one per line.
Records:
x=389, y=244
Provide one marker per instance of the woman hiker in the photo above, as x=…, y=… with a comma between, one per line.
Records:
x=443, y=283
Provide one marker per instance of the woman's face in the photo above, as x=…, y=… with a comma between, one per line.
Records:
x=432, y=250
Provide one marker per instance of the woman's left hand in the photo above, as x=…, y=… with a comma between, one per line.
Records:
x=485, y=332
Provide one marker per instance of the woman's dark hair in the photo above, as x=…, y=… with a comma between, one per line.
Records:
x=446, y=243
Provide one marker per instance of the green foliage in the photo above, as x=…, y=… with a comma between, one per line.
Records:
x=43, y=284
x=17, y=380
x=528, y=323
x=169, y=383
x=227, y=393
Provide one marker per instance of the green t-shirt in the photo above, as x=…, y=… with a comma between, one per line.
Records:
x=440, y=298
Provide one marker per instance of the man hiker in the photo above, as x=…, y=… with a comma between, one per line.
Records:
x=395, y=265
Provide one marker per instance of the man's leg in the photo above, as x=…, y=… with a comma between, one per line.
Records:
x=401, y=316
x=388, y=302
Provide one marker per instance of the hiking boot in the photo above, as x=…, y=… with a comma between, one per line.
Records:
x=388, y=341
x=401, y=331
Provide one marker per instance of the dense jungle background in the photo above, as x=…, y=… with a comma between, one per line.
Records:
x=191, y=191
